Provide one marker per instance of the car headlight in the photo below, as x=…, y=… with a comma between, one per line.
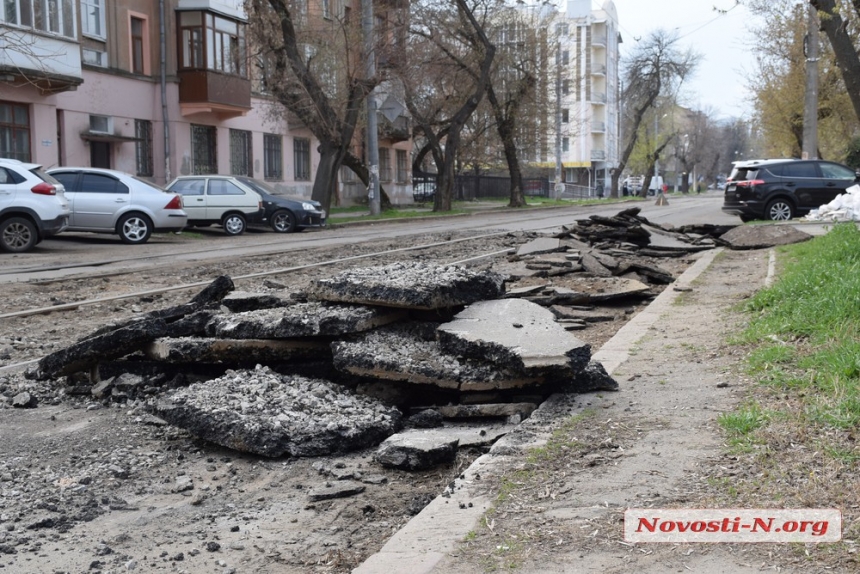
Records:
x=308, y=206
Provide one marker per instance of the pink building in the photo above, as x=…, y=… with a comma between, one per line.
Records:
x=158, y=88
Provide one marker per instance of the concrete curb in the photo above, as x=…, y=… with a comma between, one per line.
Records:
x=427, y=538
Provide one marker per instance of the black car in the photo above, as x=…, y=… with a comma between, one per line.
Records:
x=781, y=189
x=283, y=213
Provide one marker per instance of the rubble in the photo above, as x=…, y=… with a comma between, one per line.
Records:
x=333, y=367
x=416, y=449
x=763, y=236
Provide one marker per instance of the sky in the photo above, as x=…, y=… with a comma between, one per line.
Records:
x=721, y=40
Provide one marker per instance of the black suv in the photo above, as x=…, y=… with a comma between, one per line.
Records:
x=781, y=189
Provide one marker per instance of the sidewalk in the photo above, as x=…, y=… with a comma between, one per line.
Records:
x=675, y=379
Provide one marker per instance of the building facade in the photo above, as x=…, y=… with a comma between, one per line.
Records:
x=588, y=63
x=157, y=89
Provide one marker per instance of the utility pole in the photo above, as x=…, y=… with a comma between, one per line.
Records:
x=558, y=184
x=372, y=134
x=810, y=102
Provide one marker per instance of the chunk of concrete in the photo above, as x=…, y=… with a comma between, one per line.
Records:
x=523, y=410
x=199, y=349
x=409, y=285
x=589, y=316
x=416, y=449
x=763, y=236
x=273, y=415
x=311, y=319
x=85, y=354
x=516, y=335
x=593, y=266
x=337, y=489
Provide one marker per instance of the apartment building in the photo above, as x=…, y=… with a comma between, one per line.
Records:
x=160, y=88
x=588, y=62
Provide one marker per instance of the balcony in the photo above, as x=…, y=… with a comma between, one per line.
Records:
x=598, y=155
x=598, y=70
x=51, y=63
x=598, y=40
x=206, y=91
x=397, y=131
x=598, y=98
x=598, y=127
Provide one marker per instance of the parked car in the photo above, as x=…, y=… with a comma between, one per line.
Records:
x=424, y=191
x=111, y=201
x=283, y=213
x=218, y=199
x=781, y=189
x=33, y=206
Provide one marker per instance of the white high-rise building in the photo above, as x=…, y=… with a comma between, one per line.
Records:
x=589, y=108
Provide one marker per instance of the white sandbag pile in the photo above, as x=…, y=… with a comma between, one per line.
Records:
x=846, y=207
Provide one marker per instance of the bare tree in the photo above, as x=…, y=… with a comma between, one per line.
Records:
x=656, y=68
x=445, y=77
x=317, y=73
x=839, y=31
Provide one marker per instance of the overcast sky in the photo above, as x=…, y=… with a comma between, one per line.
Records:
x=719, y=39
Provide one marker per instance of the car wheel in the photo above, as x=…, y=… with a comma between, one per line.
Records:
x=134, y=228
x=283, y=221
x=779, y=210
x=234, y=224
x=17, y=235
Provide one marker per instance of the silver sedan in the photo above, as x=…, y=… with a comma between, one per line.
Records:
x=111, y=201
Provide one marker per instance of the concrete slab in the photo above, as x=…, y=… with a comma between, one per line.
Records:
x=239, y=301
x=416, y=449
x=514, y=334
x=409, y=285
x=312, y=319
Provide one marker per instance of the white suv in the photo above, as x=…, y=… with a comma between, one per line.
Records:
x=209, y=199
x=33, y=206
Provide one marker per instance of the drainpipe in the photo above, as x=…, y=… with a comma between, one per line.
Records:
x=164, y=117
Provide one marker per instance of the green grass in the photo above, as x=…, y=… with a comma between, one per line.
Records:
x=804, y=335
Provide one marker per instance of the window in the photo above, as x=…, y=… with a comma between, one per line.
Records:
x=834, y=171
x=92, y=18
x=204, y=158
x=302, y=159
x=565, y=87
x=94, y=57
x=565, y=116
x=97, y=183
x=273, y=157
x=402, y=167
x=212, y=42
x=15, y=131
x=54, y=16
x=800, y=169
x=326, y=9
x=223, y=187
x=240, y=153
x=143, y=147
x=565, y=144
x=139, y=45
x=384, y=164
x=565, y=58
x=101, y=124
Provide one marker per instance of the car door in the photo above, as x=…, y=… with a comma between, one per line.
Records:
x=69, y=179
x=97, y=201
x=804, y=180
x=193, y=192
x=223, y=196
x=835, y=179
x=8, y=188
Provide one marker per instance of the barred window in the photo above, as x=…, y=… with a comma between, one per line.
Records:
x=302, y=158
x=273, y=157
x=384, y=164
x=15, y=131
x=204, y=156
x=143, y=147
x=402, y=166
x=240, y=153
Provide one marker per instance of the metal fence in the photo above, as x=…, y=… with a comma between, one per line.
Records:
x=475, y=187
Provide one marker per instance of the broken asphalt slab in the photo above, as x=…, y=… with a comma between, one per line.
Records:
x=763, y=236
x=409, y=285
x=274, y=415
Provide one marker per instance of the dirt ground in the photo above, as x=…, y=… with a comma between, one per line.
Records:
x=89, y=486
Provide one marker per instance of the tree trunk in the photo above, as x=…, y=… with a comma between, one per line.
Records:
x=843, y=48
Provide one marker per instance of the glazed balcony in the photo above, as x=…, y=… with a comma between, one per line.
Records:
x=207, y=91
x=51, y=63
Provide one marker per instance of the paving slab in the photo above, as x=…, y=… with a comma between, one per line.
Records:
x=409, y=285
x=416, y=449
x=311, y=319
x=540, y=245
